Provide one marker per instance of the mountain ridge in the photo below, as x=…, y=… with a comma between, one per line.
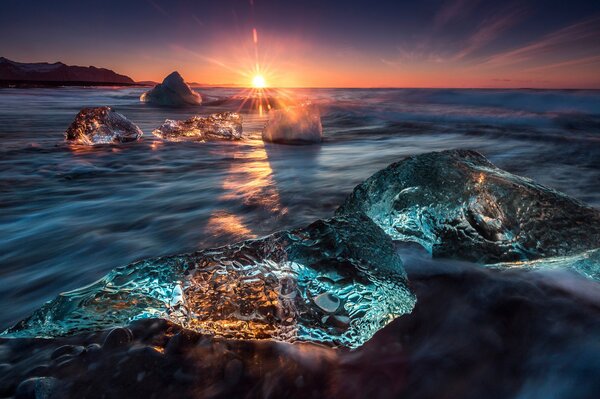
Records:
x=58, y=72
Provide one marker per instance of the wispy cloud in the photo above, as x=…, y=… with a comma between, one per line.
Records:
x=583, y=36
x=452, y=10
x=440, y=45
x=158, y=8
x=595, y=59
x=489, y=30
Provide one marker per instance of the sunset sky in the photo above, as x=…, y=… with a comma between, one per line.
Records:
x=428, y=43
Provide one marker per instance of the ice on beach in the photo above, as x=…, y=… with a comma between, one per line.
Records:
x=101, y=125
x=459, y=205
x=224, y=126
x=337, y=281
x=173, y=91
x=299, y=124
x=586, y=264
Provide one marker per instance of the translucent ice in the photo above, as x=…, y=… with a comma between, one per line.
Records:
x=585, y=263
x=457, y=204
x=101, y=125
x=173, y=91
x=225, y=126
x=294, y=125
x=337, y=281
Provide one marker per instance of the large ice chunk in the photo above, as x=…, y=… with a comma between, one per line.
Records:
x=457, y=204
x=299, y=124
x=101, y=125
x=173, y=91
x=225, y=126
x=337, y=281
x=587, y=264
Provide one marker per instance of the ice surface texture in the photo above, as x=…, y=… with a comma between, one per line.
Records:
x=224, y=126
x=101, y=125
x=294, y=125
x=459, y=205
x=173, y=91
x=586, y=264
x=337, y=281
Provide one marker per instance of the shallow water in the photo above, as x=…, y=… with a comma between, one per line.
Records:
x=70, y=214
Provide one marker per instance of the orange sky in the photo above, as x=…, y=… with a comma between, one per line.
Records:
x=350, y=43
x=292, y=62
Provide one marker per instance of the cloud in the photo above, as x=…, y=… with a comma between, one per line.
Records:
x=583, y=37
x=453, y=9
x=439, y=45
x=489, y=30
x=158, y=8
x=595, y=59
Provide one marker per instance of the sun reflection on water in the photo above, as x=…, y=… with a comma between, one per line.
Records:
x=249, y=183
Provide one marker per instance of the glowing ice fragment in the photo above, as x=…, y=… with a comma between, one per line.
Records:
x=223, y=126
x=299, y=124
x=277, y=287
x=101, y=125
x=457, y=204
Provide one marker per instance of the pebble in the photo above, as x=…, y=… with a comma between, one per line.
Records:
x=183, y=377
x=180, y=342
x=117, y=338
x=4, y=368
x=5, y=352
x=38, y=388
x=233, y=371
x=93, y=350
x=37, y=371
x=70, y=350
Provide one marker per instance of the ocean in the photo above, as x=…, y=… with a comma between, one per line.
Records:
x=70, y=214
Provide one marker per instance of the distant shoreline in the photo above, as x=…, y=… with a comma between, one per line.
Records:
x=29, y=84
x=58, y=83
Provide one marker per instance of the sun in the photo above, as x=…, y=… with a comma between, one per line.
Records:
x=258, y=82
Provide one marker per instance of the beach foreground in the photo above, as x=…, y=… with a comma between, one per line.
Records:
x=527, y=330
x=473, y=333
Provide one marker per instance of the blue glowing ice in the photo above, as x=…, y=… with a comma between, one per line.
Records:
x=457, y=204
x=586, y=264
x=337, y=281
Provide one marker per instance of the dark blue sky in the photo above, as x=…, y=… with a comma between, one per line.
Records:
x=317, y=43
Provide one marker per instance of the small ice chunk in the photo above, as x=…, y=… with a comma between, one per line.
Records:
x=101, y=125
x=328, y=302
x=225, y=126
x=172, y=91
x=294, y=125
